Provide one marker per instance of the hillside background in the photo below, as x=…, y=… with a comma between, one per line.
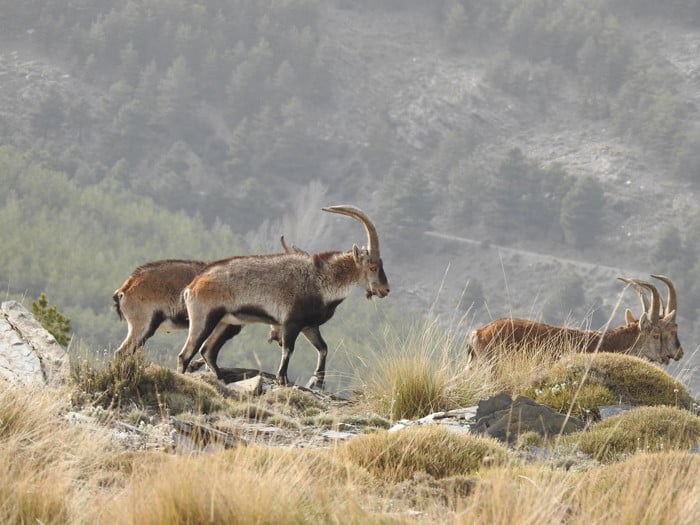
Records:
x=517, y=156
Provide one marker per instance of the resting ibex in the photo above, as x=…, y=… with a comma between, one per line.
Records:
x=150, y=300
x=651, y=336
x=670, y=344
x=295, y=292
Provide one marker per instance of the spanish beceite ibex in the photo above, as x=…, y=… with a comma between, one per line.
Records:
x=150, y=300
x=653, y=336
x=294, y=292
x=671, y=347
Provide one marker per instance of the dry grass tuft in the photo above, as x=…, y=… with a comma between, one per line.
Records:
x=647, y=429
x=529, y=363
x=397, y=456
x=122, y=383
x=249, y=485
x=421, y=370
x=507, y=496
x=660, y=488
x=49, y=470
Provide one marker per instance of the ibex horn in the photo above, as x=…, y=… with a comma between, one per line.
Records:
x=637, y=288
x=654, y=312
x=671, y=301
x=284, y=244
x=357, y=213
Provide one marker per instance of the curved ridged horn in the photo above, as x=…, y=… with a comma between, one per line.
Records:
x=637, y=288
x=357, y=213
x=284, y=245
x=671, y=301
x=654, y=312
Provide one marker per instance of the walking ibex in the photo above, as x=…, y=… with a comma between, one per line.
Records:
x=294, y=292
x=653, y=336
x=150, y=300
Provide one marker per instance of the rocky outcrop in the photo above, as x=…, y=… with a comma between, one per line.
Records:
x=29, y=355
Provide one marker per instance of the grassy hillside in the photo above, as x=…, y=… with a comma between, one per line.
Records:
x=109, y=448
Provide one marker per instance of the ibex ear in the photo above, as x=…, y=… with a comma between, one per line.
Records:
x=670, y=316
x=356, y=253
x=629, y=316
x=644, y=323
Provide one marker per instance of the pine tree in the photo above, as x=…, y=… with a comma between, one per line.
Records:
x=57, y=324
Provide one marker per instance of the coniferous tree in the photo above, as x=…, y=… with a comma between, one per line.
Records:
x=57, y=324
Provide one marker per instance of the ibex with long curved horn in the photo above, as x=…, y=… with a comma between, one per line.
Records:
x=295, y=292
x=644, y=337
x=150, y=300
x=671, y=347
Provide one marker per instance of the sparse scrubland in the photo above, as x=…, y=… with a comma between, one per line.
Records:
x=636, y=467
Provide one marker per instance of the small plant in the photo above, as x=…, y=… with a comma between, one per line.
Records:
x=55, y=323
x=129, y=381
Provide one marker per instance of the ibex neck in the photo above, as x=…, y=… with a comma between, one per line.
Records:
x=339, y=273
x=620, y=339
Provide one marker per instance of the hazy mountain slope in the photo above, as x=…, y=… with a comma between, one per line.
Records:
x=398, y=94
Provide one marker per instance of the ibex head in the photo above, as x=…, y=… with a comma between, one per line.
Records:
x=657, y=324
x=367, y=259
x=670, y=344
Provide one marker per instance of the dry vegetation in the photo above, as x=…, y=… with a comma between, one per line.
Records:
x=636, y=467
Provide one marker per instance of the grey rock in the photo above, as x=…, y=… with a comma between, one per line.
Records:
x=505, y=420
x=247, y=387
x=607, y=411
x=28, y=353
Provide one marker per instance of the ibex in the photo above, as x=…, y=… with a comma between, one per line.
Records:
x=646, y=337
x=671, y=347
x=295, y=292
x=150, y=300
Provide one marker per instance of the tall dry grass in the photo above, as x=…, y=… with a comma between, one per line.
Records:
x=50, y=470
x=249, y=485
x=420, y=369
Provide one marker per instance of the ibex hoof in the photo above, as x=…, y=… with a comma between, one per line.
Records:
x=314, y=384
x=195, y=365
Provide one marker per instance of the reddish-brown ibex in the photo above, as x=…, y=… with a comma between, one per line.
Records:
x=294, y=292
x=150, y=300
x=654, y=336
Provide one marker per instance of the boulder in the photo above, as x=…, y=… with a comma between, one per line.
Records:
x=505, y=419
x=29, y=355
